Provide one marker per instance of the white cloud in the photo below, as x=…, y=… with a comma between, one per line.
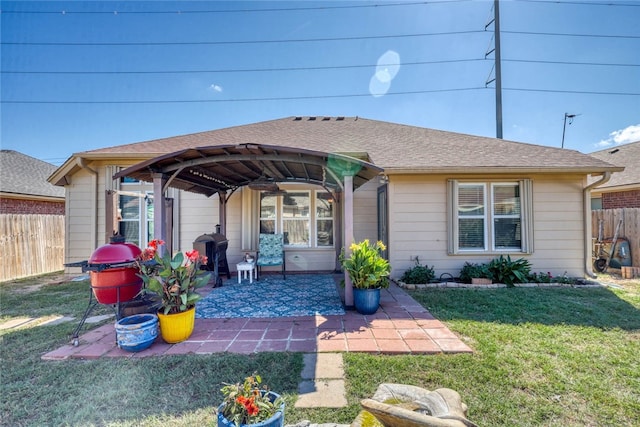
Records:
x=214, y=87
x=622, y=136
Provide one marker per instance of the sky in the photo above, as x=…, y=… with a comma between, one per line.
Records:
x=77, y=76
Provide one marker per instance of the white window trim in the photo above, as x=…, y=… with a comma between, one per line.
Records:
x=279, y=220
x=526, y=217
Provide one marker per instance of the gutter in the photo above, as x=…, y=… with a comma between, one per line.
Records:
x=586, y=197
x=81, y=162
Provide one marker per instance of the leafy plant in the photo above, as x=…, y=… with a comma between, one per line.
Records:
x=248, y=403
x=506, y=271
x=418, y=274
x=175, y=279
x=366, y=267
x=549, y=278
x=471, y=270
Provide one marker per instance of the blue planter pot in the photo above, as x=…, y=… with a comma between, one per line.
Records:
x=366, y=301
x=277, y=420
x=137, y=332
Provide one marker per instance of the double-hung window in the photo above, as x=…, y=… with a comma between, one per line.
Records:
x=490, y=216
x=135, y=212
x=305, y=218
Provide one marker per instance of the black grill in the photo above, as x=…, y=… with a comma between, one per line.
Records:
x=214, y=246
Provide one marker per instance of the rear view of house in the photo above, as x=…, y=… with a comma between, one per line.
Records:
x=443, y=197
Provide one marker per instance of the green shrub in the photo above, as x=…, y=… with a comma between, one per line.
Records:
x=471, y=270
x=418, y=274
x=506, y=271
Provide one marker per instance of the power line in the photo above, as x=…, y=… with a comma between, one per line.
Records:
x=294, y=98
x=310, y=68
x=211, y=11
x=323, y=39
x=246, y=70
x=608, y=36
x=206, y=101
x=232, y=42
x=582, y=3
x=581, y=92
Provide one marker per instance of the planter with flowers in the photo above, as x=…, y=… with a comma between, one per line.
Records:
x=369, y=272
x=250, y=404
x=175, y=280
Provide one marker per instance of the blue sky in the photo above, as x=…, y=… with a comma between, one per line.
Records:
x=83, y=75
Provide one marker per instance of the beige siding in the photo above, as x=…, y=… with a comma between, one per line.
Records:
x=418, y=225
x=365, y=212
x=80, y=218
x=198, y=215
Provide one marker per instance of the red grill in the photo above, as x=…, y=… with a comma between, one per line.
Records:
x=113, y=273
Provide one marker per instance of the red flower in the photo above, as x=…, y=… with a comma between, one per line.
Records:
x=193, y=255
x=148, y=254
x=155, y=243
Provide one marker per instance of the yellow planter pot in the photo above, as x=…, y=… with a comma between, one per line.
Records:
x=177, y=327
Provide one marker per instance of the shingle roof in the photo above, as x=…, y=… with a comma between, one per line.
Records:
x=627, y=155
x=25, y=175
x=394, y=147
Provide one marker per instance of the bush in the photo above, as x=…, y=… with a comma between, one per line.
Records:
x=506, y=271
x=418, y=274
x=471, y=270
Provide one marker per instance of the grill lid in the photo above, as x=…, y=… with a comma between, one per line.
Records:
x=117, y=251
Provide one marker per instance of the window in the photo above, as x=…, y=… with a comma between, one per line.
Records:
x=324, y=219
x=490, y=217
x=135, y=211
x=295, y=218
x=305, y=218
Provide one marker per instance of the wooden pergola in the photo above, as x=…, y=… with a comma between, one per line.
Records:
x=223, y=169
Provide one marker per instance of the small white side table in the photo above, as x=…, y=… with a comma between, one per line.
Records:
x=246, y=268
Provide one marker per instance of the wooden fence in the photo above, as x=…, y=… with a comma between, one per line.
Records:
x=30, y=245
x=629, y=227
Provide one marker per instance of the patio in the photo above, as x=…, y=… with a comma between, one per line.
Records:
x=401, y=326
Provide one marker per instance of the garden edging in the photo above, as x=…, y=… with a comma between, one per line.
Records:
x=585, y=284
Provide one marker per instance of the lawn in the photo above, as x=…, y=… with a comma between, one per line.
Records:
x=543, y=357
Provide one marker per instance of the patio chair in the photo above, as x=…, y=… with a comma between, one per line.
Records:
x=270, y=253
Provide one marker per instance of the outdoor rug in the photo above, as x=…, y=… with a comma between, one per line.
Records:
x=271, y=296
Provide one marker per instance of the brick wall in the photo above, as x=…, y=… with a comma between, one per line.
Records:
x=35, y=207
x=621, y=199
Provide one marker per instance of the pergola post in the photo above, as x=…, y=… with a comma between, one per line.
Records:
x=348, y=236
x=159, y=220
x=222, y=212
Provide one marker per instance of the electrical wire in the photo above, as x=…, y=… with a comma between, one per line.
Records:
x=201, y=11
x=312, y=68
x=297, y=98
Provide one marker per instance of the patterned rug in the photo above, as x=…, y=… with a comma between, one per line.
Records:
x=298, y=295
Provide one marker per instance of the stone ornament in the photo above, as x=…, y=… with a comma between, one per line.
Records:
x=400, y=405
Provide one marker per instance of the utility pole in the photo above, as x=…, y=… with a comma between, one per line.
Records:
x=497, y=67
x=564, y=128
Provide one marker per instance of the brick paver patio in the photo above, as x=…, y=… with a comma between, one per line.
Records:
x=401, y=326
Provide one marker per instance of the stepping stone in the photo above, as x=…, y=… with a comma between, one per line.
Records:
x=98, y=319
x=14, y=323
x=323, y=382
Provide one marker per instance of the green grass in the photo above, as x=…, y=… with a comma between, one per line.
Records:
x=543, y=357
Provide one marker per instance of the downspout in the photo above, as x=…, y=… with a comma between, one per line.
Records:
x=94, y=214
x=587, y=223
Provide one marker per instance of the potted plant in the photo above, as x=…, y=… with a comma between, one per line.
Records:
x=369, y=272
x=249, y=403
x=477, y=274
x=175, y=279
